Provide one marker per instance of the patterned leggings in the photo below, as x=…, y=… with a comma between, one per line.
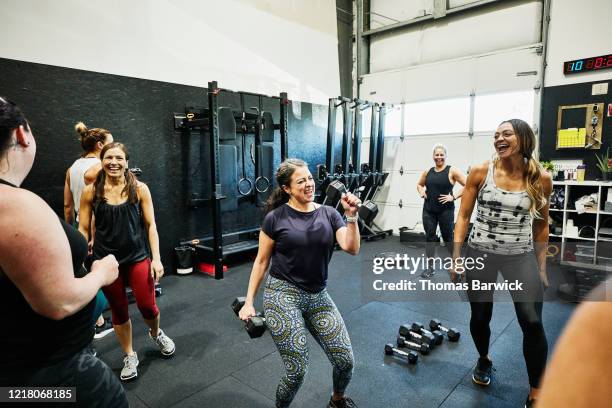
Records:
x=289, y=311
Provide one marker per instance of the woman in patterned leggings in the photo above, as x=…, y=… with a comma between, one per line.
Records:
x=297, y=238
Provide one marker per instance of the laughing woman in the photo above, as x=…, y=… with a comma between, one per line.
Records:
x=121, y=205
x=297, y=237
x=511, y=220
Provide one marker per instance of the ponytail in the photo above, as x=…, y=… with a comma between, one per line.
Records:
x=276, y=199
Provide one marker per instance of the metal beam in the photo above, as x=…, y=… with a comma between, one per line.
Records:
x=429, y=17
x=362, y=46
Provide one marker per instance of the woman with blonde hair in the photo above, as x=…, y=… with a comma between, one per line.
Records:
x=510, y=234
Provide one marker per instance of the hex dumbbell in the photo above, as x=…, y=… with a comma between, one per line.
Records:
x=256, y=325
x=408, y=333
x=437, y=335
x=423, y=348
x=411, y=356
x=452, y=333
x=367, y=210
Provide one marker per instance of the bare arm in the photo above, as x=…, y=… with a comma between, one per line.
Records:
x=91, y=173
x=68, y=200
x=36, y=257
x=348, y=238
x=260, y=266
x=421, y=185
x=470, y=193
x=540, y=228
x=85, y=211
x=146, y=203
x=587, y=384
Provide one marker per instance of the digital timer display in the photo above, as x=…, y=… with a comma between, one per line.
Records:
x=587, y=64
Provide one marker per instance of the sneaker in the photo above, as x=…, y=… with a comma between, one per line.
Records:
x=103, y=330
x=165, y=343
x=428, y=274
x=345, y=402
x=129, y=370
x=483, y=371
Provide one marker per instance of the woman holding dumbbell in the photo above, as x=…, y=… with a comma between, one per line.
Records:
x=297, y=239
x=435, y=186
x=512, y=219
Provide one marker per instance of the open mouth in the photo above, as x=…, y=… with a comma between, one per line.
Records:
x=502, y=147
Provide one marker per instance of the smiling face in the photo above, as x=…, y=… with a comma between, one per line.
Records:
x=114, y=162
x=439, y=157
x=302, y=186
x=506, y=141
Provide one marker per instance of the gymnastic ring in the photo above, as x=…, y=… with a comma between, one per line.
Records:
x=257, y=184
x=249, y=184
x=554, y=253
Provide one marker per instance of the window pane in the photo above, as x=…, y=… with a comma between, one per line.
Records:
x=393, y=121
x=491, y=110
x=440, y=116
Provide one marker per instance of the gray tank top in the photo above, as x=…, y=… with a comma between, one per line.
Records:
x=77, y=179
x=503, y=221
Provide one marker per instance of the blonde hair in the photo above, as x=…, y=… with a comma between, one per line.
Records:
x=533, y=172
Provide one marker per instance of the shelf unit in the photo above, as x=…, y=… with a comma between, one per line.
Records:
x=598, y=249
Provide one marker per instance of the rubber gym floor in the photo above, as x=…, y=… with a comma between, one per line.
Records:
x=217, y=365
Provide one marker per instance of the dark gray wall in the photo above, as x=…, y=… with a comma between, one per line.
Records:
x=138, y=113
x=574, y=94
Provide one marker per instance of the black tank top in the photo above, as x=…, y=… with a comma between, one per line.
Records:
x=120, y=232
x=437, y=183
x=29, y=340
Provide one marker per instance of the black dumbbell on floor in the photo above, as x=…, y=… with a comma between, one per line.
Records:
x=402, y=342
x=408, y=333
x=437, y=335
x=256, y=325
x=411, y=356
x=452, y=333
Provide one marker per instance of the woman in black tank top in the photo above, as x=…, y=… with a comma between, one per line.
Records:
x=435, y=186
x=47, y=295
x=124, y=222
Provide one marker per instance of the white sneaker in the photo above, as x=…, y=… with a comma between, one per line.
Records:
x=130, y=370
x=165, y=343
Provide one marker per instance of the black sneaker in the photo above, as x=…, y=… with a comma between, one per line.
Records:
x=483, y=371
x=103, y=330
x=529, y=403
x=345, y=402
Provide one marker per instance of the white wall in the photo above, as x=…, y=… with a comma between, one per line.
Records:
x=263, y=46
x=578, y=29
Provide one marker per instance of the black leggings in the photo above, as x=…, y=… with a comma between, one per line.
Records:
x=527, y=304
x=431, y=220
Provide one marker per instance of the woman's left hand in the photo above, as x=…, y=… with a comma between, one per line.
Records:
x=446, y=198
x=349, y=203
x=157, y=270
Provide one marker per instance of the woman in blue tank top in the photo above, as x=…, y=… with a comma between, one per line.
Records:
x=512, y=193
x=435, y=186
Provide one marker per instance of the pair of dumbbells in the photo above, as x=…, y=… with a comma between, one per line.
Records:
x=452, y=333
x=410, y=356
x=256, y=325
x=416, y=332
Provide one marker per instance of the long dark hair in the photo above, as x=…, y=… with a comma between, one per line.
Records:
x=90, y=137
x=283, y=178
x=11, y=118
x=533, y=171
x=130, y=188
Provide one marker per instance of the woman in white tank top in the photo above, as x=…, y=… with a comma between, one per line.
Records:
x=85, y=169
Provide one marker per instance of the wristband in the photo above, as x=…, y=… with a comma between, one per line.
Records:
x=352, y=219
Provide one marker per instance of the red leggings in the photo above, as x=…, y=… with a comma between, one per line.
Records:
x=138, y=276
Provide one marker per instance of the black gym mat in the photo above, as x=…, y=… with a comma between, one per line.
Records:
x=217, y=365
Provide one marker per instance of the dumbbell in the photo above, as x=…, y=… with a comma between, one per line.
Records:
x=408, y=333
x=256, y=325
x=411, y=356
x=452, y=333
x=423, y=347
x=437, y=335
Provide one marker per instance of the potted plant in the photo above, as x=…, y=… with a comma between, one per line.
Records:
x=603, y=164
x=548, y=166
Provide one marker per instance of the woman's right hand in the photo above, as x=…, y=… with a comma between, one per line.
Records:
x=246, y=312
x=109, y=267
